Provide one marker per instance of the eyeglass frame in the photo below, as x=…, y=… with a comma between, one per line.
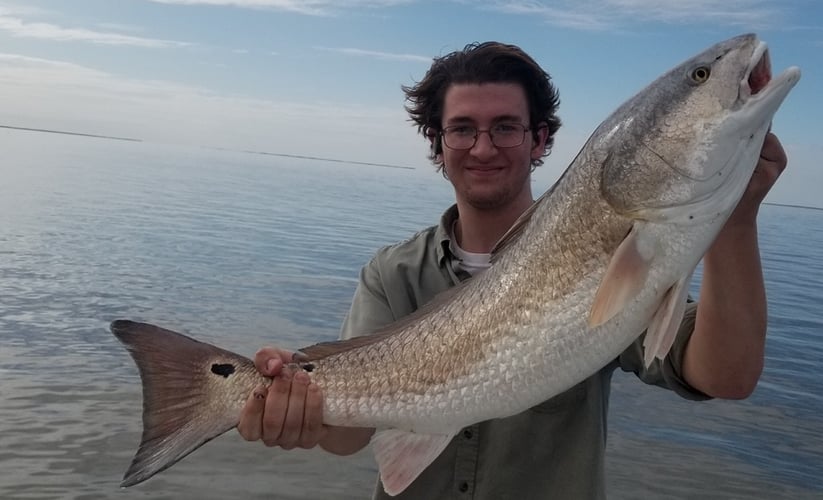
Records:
x=489, y=131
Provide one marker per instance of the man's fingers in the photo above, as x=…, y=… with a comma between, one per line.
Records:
x=772, y=155
x=250, y=425
x=270, y=360
x=313, y=429
x=277, y=402
x=293, y=423
x=289, y=413
x=770, y=165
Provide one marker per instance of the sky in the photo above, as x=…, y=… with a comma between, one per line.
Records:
x=323, y=77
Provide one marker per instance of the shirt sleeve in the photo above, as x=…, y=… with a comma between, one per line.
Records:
x=668, y=372
x=370, y=307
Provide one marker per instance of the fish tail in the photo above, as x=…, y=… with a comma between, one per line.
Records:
x=184, y=405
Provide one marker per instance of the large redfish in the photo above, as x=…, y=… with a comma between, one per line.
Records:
x=605, y=254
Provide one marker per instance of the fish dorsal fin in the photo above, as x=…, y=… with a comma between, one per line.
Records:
x=666, y=321
x=324, y=349
x=514, y=232
x=624, y=278
x=401, y=456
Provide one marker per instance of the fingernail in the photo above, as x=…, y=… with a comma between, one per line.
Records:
x=271, y=365
x=301, y=377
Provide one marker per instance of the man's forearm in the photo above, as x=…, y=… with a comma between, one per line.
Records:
x=724, y=357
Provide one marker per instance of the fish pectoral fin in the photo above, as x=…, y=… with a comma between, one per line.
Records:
x=666, y=321
x=624, y=278
x=401, y=456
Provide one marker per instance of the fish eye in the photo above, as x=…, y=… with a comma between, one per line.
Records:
x=700, y=74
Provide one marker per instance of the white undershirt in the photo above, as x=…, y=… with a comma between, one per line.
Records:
x=470, y=262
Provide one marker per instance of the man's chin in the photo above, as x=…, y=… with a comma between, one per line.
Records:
x=487, y=200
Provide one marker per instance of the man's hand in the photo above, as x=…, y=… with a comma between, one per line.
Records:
x=771, y=164
x=289, y=413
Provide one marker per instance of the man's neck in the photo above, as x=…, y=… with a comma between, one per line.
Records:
x=478, y=230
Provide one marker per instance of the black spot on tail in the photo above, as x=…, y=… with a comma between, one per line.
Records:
x=308, y=367
x=224, y=370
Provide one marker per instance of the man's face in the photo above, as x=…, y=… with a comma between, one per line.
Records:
x=486, y=176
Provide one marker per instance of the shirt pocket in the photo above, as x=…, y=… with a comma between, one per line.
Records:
x=565, y=400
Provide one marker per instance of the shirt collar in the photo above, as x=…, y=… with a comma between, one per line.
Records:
x=443, y=234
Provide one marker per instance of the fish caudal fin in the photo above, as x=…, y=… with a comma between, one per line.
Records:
x=401, y=456
x=186, y=401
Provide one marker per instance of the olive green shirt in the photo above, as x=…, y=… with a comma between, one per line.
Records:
x=554, y=450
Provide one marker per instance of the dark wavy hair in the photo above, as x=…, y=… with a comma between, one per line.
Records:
x=477, y=63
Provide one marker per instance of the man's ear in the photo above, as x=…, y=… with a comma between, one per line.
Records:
x=539, y=142
x=435, y=142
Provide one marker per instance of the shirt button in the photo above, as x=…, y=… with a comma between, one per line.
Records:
x=464, y=487
x=467, y=434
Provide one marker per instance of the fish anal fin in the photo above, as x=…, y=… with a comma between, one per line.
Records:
x=401, y=456
x=665, y=323
x=624, y=278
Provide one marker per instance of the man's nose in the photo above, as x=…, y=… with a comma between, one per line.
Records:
x=483, y=144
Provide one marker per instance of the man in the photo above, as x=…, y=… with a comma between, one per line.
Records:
x=493, y=94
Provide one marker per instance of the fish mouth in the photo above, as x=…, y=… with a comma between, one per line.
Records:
x=759, y=73
x=758, y=82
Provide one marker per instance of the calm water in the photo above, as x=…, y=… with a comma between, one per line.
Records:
x=242, y=251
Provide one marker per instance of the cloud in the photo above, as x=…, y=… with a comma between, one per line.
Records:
x=575, y=14
x=572, y=16
x=697, y=11
x=23, y=10
x=387, y=56
x=120, y=27
x=19, y=27
x=49, y=94
x=610, y=14
x=308, y=7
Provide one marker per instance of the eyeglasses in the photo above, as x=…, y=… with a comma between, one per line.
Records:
x=502, y=135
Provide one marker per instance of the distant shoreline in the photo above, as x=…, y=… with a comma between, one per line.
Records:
x=789, y=205
x=284, y=155
x=304, y=157
x=71, y=133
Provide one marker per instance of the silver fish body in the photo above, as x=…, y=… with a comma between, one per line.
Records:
x=605, y=254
